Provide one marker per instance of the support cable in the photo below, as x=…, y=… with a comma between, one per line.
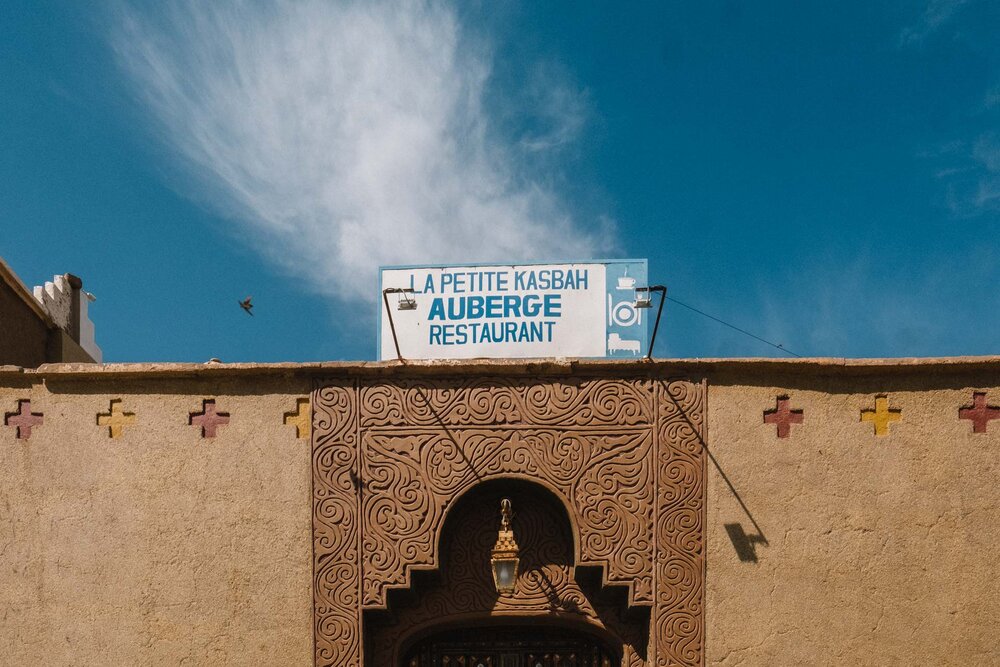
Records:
x=778, y=346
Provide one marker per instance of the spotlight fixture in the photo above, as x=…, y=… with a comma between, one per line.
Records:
x=406, y=302
x=644, y=299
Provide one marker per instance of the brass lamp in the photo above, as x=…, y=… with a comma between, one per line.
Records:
x=504, y=558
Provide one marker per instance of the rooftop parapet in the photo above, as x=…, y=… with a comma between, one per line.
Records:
x=66, y=303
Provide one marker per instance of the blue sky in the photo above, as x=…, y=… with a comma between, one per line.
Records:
x=825, y=175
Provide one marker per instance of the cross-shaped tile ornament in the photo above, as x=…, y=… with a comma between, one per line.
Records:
x=882, y=415
x=24, y=419
x=115, y=419
x=783, y=416
x=208, y=419
x=979, y=413
x=300, y=419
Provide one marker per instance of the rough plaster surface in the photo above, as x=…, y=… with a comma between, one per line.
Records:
x=158, y=547
x=56, y=297
x=23, y=334
x=879, y=550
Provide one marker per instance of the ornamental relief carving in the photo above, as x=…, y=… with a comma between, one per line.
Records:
x=463, y=588
x=411, y=479
x=336, y=527
x=624, y=455
x=487, y=401
x=679, y=605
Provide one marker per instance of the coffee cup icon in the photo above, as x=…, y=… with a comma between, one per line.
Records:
x=626, y=281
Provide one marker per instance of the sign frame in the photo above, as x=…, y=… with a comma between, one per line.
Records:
x=614, y=307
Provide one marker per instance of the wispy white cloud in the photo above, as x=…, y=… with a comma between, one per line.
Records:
x=992, y=98
x=968, y=166
x=558, y=109
x=346, y=135
x=986, y=153
x=865, y=307
x=970, y=174
x=935, y=15
x=865, y=304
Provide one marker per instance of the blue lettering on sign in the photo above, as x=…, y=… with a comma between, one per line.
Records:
x=491, y=332
x=467, y=282
x=551, y=279
x=495, y=306
x=524, y=304
x=471, y=282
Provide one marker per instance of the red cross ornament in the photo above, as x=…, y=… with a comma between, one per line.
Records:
x=24, y=419
x=783, y=416
x=979, y=413
x=208, y=419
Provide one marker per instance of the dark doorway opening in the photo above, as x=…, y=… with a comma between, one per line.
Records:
x=511, y=646
x=559, y=615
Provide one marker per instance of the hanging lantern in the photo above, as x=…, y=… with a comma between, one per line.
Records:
x=504, y=558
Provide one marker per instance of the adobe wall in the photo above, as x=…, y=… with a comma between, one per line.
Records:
x=157, y=547
x=162, y=547
x=23, y=335
x=880, y=550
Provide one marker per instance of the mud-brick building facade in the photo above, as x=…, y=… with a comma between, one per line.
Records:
x=675, y=512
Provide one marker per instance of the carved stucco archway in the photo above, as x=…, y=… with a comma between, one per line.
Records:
x=625, y=454
x=463, y=597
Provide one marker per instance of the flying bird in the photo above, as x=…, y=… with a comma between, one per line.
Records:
x=246, y=305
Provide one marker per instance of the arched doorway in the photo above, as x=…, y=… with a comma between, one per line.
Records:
x=511, y=646
x=454, y=616
x=392, y=451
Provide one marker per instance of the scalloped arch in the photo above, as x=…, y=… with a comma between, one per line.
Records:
x=541, y=484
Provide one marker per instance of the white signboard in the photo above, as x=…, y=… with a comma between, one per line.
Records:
x=505, y=311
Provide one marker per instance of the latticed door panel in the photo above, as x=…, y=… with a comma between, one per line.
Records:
x=505, y=649
x=593, y=658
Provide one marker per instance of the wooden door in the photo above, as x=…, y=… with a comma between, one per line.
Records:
x=524, y=646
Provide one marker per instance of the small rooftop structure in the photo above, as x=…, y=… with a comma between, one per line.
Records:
x=45, y=325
